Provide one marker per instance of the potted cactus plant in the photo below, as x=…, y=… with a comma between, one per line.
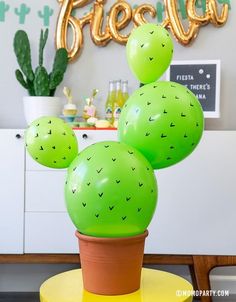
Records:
x=41, y=85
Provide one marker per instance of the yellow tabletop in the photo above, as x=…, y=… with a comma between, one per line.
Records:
x=156, y=286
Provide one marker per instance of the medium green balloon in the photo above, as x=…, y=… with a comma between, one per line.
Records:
x=149, y=52
x=164, y=121
x=111, y=191
x=51, y=142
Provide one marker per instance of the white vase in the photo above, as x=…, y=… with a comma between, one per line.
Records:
x=38, y=106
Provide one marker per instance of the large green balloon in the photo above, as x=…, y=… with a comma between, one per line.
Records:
x=51, y=142
x=149, y=52
x=164, y=121
x=111, y=191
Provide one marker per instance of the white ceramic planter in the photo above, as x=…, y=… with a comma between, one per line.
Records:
x=38, y=106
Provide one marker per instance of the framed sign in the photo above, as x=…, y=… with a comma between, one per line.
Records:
x=203, y=79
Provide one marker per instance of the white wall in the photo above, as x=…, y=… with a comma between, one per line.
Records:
x=97, y=65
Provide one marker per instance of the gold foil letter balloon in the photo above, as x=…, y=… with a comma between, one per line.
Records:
x=114, y=23
x=121, y=14
x=195, y=21
x=65, y=19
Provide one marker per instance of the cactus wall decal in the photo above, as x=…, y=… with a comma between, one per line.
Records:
x=45, y=14
x=160, y=11
x=22, y=12
x=3, y=9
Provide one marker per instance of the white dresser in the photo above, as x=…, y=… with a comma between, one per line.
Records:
x=196, y=206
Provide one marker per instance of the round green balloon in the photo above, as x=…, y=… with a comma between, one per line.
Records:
x=111, y=191
x=51, y=142
x=149, y=52
x=164, y=121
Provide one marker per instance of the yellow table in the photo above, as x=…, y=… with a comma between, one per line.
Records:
x=156, y=286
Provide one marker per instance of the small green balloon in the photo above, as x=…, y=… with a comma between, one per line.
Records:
x=149, y=52
x=111, y=191
x=164, y=121
x=51, y=142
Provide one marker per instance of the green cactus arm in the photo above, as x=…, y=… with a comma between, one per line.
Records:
x=31, y=90
x=55, y=78
x=59, y=68
x=41, y=82
x=60, y=61
x=23, y=53
x=20, y=78
x=43, y=41
x=52, y=92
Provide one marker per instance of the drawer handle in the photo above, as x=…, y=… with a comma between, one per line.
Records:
x=18, y=136
x=85, y=136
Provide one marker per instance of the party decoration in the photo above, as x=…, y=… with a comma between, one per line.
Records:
x=90, y=109
x=51, y=142
x=149, y=52
x=69, y=109
x=22, y=12
x=164, y=121
x=121, y=15
x=45, y=14
x=40, y=82
x=4, y=7
x=110, y=191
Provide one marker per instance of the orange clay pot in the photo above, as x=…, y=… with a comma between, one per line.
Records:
x=111, y=266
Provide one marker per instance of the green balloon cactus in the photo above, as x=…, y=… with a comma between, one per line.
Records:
x=164, y=121
x=149, y=52
x=51, y=142
x=111, y=191
x=40, y=82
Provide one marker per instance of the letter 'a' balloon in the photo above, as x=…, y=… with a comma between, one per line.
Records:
x=149, y=52
x=51, y=142
x=111, y=191
x=164, y=121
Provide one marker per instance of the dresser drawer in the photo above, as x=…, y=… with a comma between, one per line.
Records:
x=49, y=233
x=44, y=191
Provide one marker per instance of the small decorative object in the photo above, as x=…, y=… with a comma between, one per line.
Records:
x=51, y=142
x=115, y=124
x=41, y=85
x=70, y=109
x=92, y=121
x=102, y=124
x=111, y=192
x=89, y=108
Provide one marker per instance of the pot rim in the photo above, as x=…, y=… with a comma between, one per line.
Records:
x=41, y=97
x=111, y=239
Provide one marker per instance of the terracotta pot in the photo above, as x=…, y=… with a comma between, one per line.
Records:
x=111, y=266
